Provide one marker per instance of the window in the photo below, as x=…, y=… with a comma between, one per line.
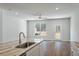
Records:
x=40, y=29
x=58, y=32
x=43, y=27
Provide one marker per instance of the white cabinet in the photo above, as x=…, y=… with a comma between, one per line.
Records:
x=35, y=51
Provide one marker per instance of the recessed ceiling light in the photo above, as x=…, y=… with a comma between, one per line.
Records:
x=57, y=8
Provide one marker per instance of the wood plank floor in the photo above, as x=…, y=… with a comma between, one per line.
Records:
x=56, y=48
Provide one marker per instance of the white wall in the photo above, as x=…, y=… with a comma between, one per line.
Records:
x=0, y=26
x=12, y=26
x=75, y=27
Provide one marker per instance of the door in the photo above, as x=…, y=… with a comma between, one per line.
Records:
x=58, y=29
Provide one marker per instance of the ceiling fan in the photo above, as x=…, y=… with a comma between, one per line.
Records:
x=39, y=16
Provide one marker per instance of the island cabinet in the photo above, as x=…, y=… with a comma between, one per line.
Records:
x=39, y=50
x=35, y=51
x=43, y=48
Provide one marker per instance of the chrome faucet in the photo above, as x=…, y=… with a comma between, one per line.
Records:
x=20, y=38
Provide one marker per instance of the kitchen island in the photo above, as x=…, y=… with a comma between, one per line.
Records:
x=42, y=48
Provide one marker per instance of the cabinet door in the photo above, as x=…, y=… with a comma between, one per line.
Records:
x=35, y=51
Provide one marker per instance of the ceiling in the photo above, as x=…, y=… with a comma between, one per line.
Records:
x=46, y=9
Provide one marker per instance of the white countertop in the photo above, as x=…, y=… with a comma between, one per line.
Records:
x=18, y=51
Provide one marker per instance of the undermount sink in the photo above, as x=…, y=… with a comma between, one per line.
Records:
x=25, y=45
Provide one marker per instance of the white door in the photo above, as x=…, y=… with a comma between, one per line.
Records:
x=58, y=28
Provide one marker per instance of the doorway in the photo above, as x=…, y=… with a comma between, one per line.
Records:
x=58, y=29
